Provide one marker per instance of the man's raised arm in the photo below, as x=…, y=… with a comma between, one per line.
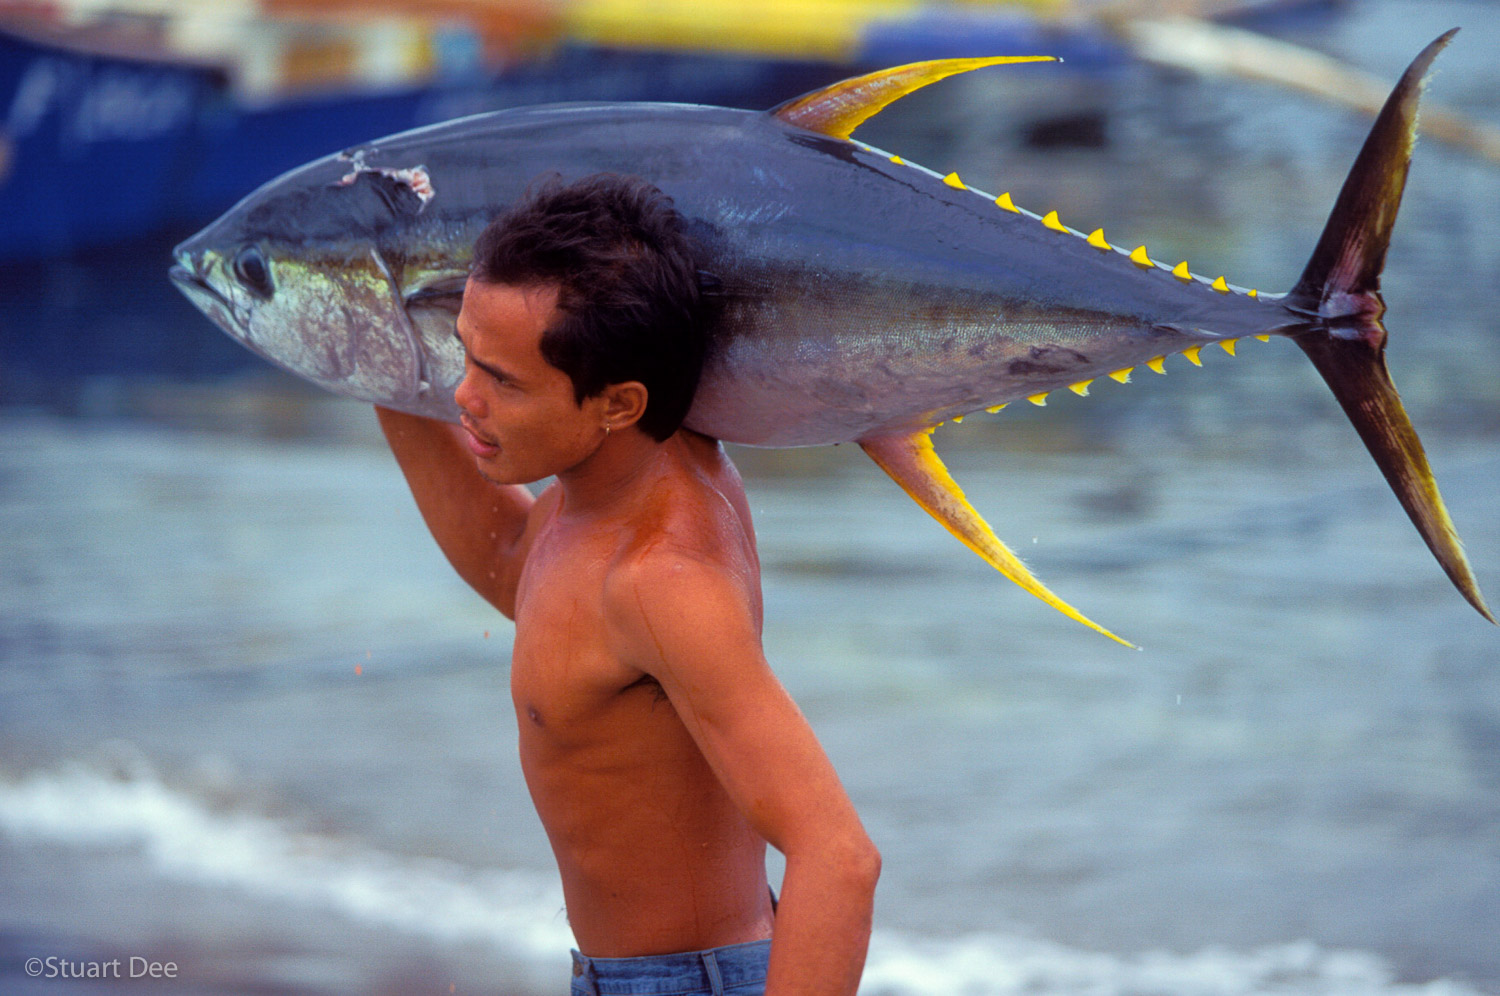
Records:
x=478, y=525
x=689, y=624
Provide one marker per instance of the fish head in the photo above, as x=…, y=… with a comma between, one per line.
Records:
x=312, y=272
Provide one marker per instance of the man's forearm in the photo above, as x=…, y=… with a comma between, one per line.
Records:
x=823, y=922
x=474, y=521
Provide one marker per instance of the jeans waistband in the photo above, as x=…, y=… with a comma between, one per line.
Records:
x=713, y=971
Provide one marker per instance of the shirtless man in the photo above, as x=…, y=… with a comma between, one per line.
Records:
x=661, y=752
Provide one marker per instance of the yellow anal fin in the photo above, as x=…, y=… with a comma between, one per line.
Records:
x=912, y=463
x=838, y=109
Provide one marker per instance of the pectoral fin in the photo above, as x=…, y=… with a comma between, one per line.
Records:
x=913, y=463
x=439, y=289
x=838, y=109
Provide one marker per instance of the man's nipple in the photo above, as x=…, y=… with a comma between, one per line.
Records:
x=534, y=715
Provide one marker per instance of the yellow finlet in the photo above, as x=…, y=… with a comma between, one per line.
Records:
x=1228, y=345
x=1081, y=388
x=996, y=408
x=958, y=420
x=898, y=160
x=1253, y=292
x=1192, y=354
x=912, y=463
x=838, y=109
x=1156, y=364
x=1139, y=258
x=1096, y=239
x=1004, y=201
x=1264, y=338
x=1180, y=271
x=1038, y=399
x=1219, y=285
x=1122, y=376
x=953, y=181
x=1051, y=221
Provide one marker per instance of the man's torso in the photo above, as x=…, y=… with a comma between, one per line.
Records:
x=654, y=855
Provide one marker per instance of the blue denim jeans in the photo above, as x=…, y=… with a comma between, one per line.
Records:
x=734, y=970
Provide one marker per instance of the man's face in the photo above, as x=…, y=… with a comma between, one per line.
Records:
x=518, y=410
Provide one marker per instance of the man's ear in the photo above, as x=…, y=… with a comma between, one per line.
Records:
x=624, y=404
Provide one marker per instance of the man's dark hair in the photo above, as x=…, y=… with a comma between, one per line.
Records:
x=628, y=287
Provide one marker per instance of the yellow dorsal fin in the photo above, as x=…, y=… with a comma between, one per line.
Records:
x=913, y=463
x=1051, y=221
x=1096, y=239
x=839, y=109
x=1004, y=201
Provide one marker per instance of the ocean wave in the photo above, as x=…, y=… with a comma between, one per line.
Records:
x=995, y=965
x=517, y=912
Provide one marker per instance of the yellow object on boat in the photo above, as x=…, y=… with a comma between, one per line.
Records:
x=824, y=29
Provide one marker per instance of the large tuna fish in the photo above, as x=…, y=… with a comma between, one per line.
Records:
x=866, y=299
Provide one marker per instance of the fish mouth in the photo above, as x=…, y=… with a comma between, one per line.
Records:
x=210, y=301
x=187, y=279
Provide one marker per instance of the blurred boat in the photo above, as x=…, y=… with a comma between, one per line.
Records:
x=122, y=118
x=95, y=141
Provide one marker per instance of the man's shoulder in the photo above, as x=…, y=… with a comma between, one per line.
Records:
x=698, y=535
x=663, y=598
x=667, y=557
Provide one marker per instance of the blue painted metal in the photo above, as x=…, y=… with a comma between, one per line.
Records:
x=96, y=145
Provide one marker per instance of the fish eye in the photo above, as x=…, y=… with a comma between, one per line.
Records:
x=250, y=267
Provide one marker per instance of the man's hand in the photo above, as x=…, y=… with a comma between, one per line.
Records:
x=480, y=526
x=689, y=624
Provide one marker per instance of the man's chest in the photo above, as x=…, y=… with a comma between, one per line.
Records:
x=564, y=670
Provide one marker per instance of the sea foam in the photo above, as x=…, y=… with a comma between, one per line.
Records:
x=517, y=912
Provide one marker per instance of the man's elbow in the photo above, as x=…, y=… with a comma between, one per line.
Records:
x=856, y=861
x=869, y=863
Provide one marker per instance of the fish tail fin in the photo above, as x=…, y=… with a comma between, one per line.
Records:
x=1343, y=334
x=912, y=463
